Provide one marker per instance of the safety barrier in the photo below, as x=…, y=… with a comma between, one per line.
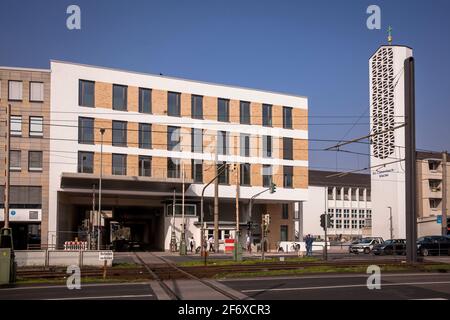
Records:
x=75, y=245
x=229, y=245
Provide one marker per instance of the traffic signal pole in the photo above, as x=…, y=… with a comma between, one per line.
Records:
x=7, y=165
x=444, y=194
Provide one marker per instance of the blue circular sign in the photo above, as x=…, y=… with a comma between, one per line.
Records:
x=13, y=213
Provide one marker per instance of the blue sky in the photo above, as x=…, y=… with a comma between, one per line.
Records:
x=319, y=49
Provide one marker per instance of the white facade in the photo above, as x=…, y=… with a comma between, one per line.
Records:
x=387, y=107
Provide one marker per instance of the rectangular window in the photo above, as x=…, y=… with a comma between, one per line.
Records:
x=173, y=138
x=16, y=125
x=86, y=93
x=85, y=162
x=86, y=130
x=285, y=211
x=346, y=195
x=34, y=160
x=145, y=100
x=330, y=193
x=346, y=224
x=245, y=145
x=119, y=164
x=197, y=170
x=353, y=194
x=174, y=105
x=288, y=149
x=283, y=233
x=145, y=166
x=267, y=115
x=120, y=94
x=288, y=173
x=224, y=176
x=244, y=112
x=145, y=136
x=222, y=142
x=267, y=146
x=197, y=140
x=36, y=127
x=368, y=195
x=15, y=90
x=267, y=175
x=361, y=194
x=245, y=174
x=36, y=91
x=223, y=110
x=173, y=168
x=287, y=118
x=338, y=193
x=197, y=106
x=119, y=133
x=15, y=160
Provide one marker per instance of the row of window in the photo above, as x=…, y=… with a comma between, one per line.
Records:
x=86, y=98
x=119, y=167
x=361, y=213
x=120, y=129
x=347, y=224
x=35, y=126
x=15, y=91
x=353, y=194
x=34, y=161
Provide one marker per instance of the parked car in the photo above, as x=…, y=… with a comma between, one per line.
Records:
x=365, y=245
x=433, y=245
x=389, y=247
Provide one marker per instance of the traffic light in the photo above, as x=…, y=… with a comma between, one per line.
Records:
x=328, y=220
x=273, y=187
x=249, y=225
x=322, y=220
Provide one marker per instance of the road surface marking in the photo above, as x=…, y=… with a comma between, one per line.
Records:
x=82, y=285
x=348, y=286
x=105, y=297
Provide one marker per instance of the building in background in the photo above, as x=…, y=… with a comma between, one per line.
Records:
x=157, y=130
x=346, y=199
x=387, y=148
x=28, y=93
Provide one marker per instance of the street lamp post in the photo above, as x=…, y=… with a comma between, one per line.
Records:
x=99, y=218
x=391, y=230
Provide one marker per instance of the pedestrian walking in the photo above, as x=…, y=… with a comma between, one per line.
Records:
x=249, y=244
x=192, y=243
x=211, y=244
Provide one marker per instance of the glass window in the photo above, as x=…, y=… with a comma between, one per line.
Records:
x=36, y=91
x=288, y=173
x=120, y=97
x=245, y=145
x=222, y=142
x=35, y=161
x=368, y=195
x=197, y=140
x=287, y=148
x=361, y=194
x=15, y=90
x=36, y=127
x=119, y=133
x=283, y=233
x=267, y=175
x=197, y=106
x=145, y=136
x=173, y=168
x=85, y=162
x=245, y=174
x=285, y=211
x=197, y=170
x=15, y=160
x=267, y=115
x=245, y=112
x=86, y=93
x=16, y=125
x=145, y=100
x=330, y=193
x=267, y=146
x=119, y=164
x=223, y=110
x=224, y=176
x=145, y=166
x=174, y=105
x=173, y=138
x=86, y=130
x=287, y=118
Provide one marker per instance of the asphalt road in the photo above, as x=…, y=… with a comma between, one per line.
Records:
x=105, y=291
x=345, y=287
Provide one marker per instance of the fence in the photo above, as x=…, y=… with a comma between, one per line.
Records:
x=47, y=258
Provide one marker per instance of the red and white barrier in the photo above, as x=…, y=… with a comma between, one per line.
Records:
x=229, y=245
x=75, y=245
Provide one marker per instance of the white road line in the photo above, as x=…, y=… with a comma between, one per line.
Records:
x=348, y=286
x=82, y=286
x=431, y=299
x=105, y=297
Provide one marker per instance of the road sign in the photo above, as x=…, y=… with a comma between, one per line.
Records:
x=439, y=219
x=105, y=255
x=13, y=213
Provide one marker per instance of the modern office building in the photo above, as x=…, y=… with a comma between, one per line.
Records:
x=346, y=199
x=161, y=134
x=387, y=148
x=27, y=91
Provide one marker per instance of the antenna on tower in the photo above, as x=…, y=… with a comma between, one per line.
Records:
x=390, y=35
